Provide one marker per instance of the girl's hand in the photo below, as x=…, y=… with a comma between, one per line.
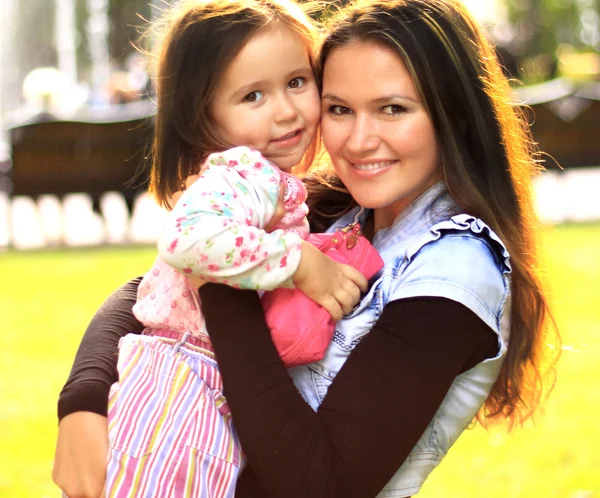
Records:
x=279, y=213
x=81, y=455
x=334, y=286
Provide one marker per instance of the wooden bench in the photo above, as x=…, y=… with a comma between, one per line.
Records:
x=565, y=118
x=92, y=153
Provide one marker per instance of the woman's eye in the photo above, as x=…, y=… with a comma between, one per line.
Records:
x=296, y=83
x=339, y=109
x=253, y=97
x=393, y=109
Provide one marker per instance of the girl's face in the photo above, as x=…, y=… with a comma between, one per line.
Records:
x=267, y=98
x=380, y=137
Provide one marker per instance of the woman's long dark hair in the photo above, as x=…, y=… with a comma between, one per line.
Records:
x=487, y=155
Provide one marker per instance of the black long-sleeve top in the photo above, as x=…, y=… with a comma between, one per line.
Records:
x=375, y=410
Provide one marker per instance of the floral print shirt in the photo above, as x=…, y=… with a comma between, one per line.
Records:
x=216, y=231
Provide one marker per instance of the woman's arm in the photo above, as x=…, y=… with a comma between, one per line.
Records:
x=82, y=442
x=375, y=410
x=95, y=367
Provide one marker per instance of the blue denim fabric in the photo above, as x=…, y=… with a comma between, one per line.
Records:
x=430, y=250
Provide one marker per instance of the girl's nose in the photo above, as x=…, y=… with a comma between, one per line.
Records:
x=285, y=110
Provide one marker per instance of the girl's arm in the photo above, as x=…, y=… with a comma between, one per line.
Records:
x=219, y=231
x=376, y=408
x=216, y=230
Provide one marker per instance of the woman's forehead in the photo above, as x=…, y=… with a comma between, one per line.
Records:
x=366, y=71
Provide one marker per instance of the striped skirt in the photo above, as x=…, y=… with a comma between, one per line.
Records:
x=170, y=429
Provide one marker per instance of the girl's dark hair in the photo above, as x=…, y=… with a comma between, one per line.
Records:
x=197, y=41
x=487, y=156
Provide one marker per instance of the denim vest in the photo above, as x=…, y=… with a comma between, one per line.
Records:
x=428, y=251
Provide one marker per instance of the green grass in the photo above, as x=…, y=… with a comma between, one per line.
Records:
x=47, y=299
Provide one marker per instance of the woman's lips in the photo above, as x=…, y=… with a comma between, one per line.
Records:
x=371, y=167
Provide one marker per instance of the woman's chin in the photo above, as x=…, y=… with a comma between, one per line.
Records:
x=367, y=198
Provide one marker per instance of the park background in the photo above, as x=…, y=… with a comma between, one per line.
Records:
x=53, y=277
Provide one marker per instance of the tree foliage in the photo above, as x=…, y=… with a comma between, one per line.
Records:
x=539, y=28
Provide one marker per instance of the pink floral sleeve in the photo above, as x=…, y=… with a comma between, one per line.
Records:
x=216, y=230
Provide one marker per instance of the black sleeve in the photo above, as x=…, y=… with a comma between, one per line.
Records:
x=95, y=367
x=376, y=409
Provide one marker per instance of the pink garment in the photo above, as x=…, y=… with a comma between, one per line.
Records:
x=170, y=428
x=300, y=328
x=166, y=299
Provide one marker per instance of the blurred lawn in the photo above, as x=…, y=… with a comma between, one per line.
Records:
x=47, y=299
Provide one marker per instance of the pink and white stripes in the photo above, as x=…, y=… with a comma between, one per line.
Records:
x=170, y=428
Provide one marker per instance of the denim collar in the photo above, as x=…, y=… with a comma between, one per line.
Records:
x=433, y=205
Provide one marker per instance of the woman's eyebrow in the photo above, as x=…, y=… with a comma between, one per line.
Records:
x=332, y=97
x=391, y=98
x=379, y=100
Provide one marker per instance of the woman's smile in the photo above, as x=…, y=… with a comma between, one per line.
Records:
x=371, y=167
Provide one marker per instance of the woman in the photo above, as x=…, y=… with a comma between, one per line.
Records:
x=419, y=128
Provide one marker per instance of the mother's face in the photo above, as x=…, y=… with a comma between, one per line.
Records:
x=376, y=129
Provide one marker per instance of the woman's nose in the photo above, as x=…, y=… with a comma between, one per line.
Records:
x=364, y=136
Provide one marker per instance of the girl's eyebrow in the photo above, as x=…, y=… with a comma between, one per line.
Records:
x=255, y=85
x=250, y=87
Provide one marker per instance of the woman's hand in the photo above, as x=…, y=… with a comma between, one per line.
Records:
x=335, y=286
x=81, y=455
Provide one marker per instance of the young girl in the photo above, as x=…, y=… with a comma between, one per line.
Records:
x=242, y=223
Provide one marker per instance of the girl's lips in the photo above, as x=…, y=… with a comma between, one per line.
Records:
x=290, y=139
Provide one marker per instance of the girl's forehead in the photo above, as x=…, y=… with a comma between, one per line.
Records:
x=282, y=32
x=269, y=50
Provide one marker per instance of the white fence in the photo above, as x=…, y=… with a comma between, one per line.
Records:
x=27, y=224
x=568, y=196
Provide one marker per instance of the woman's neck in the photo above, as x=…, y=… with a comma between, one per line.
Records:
x=368, y=229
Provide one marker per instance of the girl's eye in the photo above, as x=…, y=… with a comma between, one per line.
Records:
x=393, y=109
x=339, y=110
x=296, y=83
x=254, y=97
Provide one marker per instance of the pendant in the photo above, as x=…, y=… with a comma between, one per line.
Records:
x=349, y=233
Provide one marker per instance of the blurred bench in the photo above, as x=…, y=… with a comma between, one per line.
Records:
x=92, y=152
x=565, y=118
x=103, y=150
